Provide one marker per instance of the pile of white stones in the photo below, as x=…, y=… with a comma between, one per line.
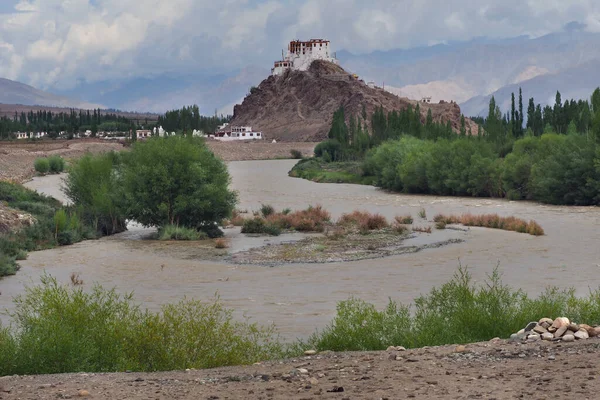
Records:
x=560, y=329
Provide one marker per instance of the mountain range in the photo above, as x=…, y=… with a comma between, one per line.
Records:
x=468, y=73
x=12, y=92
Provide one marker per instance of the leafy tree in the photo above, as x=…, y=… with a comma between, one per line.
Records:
x=94, y=188
x=177, y=181
x=339, y=129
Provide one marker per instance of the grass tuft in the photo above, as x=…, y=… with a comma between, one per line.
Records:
x=404, y=219
x=174, y=232
x=221, y=243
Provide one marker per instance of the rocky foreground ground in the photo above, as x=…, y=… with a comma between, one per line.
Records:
x=493, y=370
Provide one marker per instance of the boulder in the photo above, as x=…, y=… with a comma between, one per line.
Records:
x=560, y=331
x=540, y=329
x=530, y=326
x=590, y=330
x=560, y=322
x=568, y=338
x=545, y=321
x=581, y=334
x=573, y=327
x=547, y=336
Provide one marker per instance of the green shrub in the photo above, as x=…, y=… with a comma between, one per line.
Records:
x=258, y=225
x=59, y=329
x=329, y=150
x=94, y=187
x=266, y=210
x=42, y=165
x=8, y=265
x=21, y=255
x=56, y=164
x=174, y=232
x=457, y=312
x=60, y=221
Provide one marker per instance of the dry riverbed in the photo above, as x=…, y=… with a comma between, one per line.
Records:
x=491, y=370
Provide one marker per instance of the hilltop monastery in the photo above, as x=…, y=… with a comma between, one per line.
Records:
x=301, y=54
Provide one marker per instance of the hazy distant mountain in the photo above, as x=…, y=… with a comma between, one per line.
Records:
x=474, y=69
x=165, y=92
x=573, y=83
x=12, y=92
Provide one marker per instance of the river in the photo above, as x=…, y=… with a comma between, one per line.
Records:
x=300, y=298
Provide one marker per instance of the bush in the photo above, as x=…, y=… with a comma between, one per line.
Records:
x=42, y=165
x=364, y=220
x=8, y=265
x=94, y=187
x=173, y=232
x=60, y=329
x=266, y=210
x=221, y=243
x=296, y=154
x=258, y=225
x=457, y=312
x=57, y=164
x=21, y=255
x=176, y=180
x=329, y=150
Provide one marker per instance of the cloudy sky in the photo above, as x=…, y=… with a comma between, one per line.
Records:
x=54, y=43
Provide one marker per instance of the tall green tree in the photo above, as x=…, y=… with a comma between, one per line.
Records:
x=520, y=119
x=339, y=129
x=176, y=180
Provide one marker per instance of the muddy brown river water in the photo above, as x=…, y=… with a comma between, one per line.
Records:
x=300, y=298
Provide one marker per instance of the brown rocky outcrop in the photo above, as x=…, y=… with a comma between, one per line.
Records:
x=13, y=220
x=299, y=106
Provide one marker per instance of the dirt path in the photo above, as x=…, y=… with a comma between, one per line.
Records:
x=493, y=370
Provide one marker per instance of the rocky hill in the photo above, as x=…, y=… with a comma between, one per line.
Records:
x=299, y=106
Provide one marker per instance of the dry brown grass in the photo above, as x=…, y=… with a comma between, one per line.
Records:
x=493, y=221
x=404, y=219
x=221, y=243
x=313, y=219
x=236, y=219
x=364, y=220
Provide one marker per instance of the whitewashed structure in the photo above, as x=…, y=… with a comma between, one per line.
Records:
x=231, y=133
x=143, y=133
x=301, y=54
x=21, y=135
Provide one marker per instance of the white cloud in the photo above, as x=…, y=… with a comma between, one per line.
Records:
x=54, y=43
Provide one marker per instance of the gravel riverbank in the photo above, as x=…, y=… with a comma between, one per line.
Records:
x=492, y=370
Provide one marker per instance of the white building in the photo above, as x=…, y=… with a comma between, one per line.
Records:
x=301, y=54
x=143, y=133
x=21, y=135
x=237, y=133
